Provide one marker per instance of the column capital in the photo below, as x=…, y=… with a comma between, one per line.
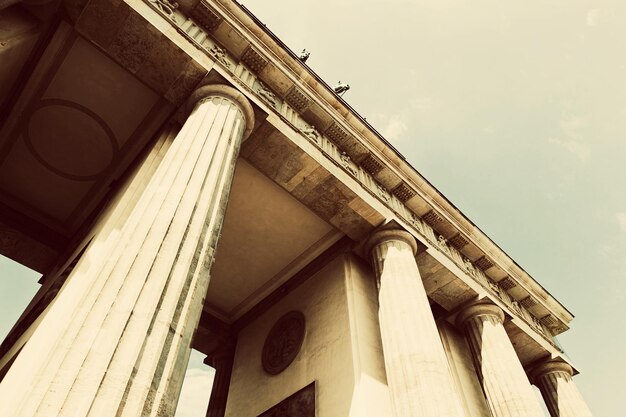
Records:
x=549, y=367
x=232, y=94
x=385, y=235
x=476, y=310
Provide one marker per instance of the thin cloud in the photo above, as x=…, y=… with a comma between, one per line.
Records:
x=580, y=150
x=593, y=17
x=573, y=126
x=394, y=129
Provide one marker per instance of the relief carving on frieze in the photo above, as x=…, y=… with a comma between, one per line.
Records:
x=311, y=133
x=283, y=342
x=333, y=142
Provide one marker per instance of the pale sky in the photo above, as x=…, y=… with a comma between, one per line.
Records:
x=515, y=111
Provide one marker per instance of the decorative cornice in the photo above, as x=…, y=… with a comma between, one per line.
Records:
x=528, y=302
x=253, y=59
x=333, y=143
x=297, y=99
x=432, y=218
x=483, y=263
x=367, y=141
x=205, y=16
x=372, y=165
x=458, y=241
x=403, y=192
x=507, y=283
x=549, y=320
x=337, y=134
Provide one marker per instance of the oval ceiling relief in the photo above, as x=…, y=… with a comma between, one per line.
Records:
x=283, y=342
x=70, y=140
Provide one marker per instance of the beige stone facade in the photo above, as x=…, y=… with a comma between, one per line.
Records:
x=182, y=180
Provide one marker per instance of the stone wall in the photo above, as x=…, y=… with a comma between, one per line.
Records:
x=341, y=351
x=371, y=396
x=462, y=369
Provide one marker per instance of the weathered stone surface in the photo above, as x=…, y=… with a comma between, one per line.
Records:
x=502, y=376
x=133, y=42
x=119, y=335
x=417, y=369
x=101, y=20
x=403, y=192
x=162, y=66
x=205, y=16
x=554, y=379
x=283, y=342
x=253, y=59
x=186, y=82
x=297, y=99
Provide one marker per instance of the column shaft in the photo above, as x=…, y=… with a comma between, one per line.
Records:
x=559, y=391
x=505, y=384
x=222, y=362
x=117, y=340
x=417, y=370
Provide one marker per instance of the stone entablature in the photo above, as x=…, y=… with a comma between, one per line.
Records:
x=302, y=108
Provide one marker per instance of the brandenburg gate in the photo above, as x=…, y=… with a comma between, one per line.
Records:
x=183, y=180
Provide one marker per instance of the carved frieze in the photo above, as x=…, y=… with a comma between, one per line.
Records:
x=220, y=55
x=266, y=94
x=336, y=138
x=416, y=222
x=483, y=263
x=336, y=134
x=167, y=7
x=253, y=59
x=548, y=320
x=347, y=163
x=458, y=241
x=297, y=99
x=372, y=165
x=469, y=266
x=312, y=134
x=205, y=16
x=507, y=283
x=283, y=342
x=494, y=286
x=383, y=193
x=443, y=243
x=403, y=192
x=528, y=302
x=432, y=218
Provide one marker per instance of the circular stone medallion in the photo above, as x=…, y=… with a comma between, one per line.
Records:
x=69, y=139
x=283, y=342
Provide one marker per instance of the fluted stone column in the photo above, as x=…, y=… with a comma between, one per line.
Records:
x=116, y=342
x=554, y=379
x=418, y=376
x=505, y=384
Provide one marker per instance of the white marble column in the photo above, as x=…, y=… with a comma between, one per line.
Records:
x=505, y=384
x=554, y=379
x=117, y=340
x=418, y=376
